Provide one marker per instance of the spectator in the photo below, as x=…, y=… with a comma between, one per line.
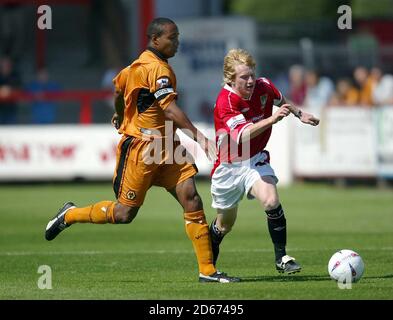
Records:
x=9, y=80
x=319, y=91
x=346, y=94
x=365, y=84
x=43, y=112
x=363, y=47
x=382, y=91
x=297, y=85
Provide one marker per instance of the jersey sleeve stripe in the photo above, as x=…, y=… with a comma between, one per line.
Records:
x=229, y=101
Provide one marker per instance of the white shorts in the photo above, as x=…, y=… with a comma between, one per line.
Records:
x=231, y=181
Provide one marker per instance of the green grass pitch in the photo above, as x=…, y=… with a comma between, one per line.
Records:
x=152, y=257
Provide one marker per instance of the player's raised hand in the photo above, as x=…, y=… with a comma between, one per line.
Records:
x=281, y=113
x=309, y=119
x=116, y=121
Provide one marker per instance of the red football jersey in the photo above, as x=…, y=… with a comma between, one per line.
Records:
x=232, y=114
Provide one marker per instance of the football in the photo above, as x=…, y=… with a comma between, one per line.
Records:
x=346, y=266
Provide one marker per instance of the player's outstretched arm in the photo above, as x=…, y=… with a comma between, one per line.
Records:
x=304, y=117
x=175, y=114
x=257, y=128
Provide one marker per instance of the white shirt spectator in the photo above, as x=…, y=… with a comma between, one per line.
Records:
x=383, y=91
x=318, y=95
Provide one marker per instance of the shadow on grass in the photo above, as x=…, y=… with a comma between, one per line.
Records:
x=286, y=278
x=293, y=278
x=278, y=278
x=388, y=276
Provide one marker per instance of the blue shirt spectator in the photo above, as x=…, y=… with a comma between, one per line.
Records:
x=43, y=112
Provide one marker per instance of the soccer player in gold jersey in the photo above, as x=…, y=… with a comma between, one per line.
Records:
x=147, y=91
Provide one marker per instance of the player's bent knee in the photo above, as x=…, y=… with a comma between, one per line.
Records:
x=124, y=219
x=124, y=214
x=193, y=203
x=271, y=203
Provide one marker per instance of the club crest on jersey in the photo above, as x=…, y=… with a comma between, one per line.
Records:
x=263, y=101
x=162, y=83
x=131, y=195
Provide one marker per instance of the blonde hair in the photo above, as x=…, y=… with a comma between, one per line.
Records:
x=233, y=58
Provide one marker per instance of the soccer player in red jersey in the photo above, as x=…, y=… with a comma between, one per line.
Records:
x=243, y=118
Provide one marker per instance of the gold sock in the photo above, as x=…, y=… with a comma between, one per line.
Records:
x=100, y=212
x=197, y=230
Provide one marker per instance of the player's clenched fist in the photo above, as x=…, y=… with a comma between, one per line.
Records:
x=281, y=113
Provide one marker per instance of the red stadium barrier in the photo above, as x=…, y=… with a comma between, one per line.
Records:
x=84, y=97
